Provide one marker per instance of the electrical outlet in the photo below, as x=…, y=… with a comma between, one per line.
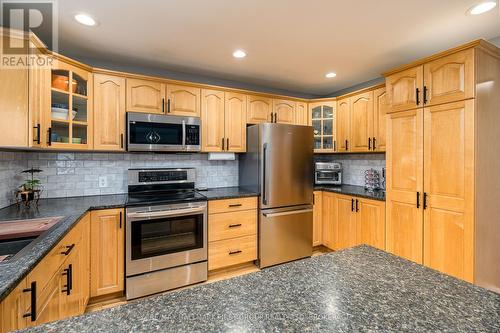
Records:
x=103, y=181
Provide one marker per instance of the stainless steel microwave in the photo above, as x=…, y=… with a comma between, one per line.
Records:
x=156, y=132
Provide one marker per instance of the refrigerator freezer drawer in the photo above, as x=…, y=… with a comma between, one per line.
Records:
x=285, y=234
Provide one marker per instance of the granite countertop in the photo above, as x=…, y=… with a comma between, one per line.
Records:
x=359, y=289
x=227, y=193
x=358, y=191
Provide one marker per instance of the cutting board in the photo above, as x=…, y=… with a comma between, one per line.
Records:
x=26, y=228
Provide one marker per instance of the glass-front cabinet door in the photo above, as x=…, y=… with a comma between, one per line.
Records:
x=69, y=116
x=323, y=122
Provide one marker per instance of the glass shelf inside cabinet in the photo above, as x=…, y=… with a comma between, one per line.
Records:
x=59, y=131
x=79, y=109
x=79, y=133
x=59, y=105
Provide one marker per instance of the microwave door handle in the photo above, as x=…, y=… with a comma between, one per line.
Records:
x=165, y=213
x=184, y=134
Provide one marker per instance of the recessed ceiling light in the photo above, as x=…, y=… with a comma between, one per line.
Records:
x=330, y=75
x=239, y=54
x=85, y=20
x=482, y=7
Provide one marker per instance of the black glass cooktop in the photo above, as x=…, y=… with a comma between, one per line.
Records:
x=163, y=197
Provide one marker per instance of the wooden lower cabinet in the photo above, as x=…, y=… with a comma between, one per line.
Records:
x=317, y=218
x=328, y=204
x=107, y=254
x=371, y=223
x=344, y=222
x=13, y=307
x=232, y=232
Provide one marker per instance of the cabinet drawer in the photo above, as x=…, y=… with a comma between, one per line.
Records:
x=232, y=252
x=231, y=225
x=231, y=205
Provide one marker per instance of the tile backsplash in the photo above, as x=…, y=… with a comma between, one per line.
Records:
x=77, y=174
x=354, y=165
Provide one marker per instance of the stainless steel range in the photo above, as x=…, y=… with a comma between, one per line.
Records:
x=166, y=231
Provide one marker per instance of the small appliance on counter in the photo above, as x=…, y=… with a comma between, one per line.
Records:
x=166, y=231
x=328, y=173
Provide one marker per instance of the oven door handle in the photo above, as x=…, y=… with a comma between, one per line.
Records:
x=166, y=213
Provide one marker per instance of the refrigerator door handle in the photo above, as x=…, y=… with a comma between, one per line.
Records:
x=264, y=176
x=291, y=212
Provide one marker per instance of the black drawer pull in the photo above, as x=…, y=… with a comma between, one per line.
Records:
x=68, y=249
x=352, y=205
x=369, y=143
x=357, y=208
x=374, y=143
x=67, y=291
x=32, y=290
x=235, y=205
x=234, y=252
x=235, y=225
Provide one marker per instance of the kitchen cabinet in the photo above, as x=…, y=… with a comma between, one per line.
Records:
x=109, y=112
x=343, y=124
x=361, y=122
x=380, y=110
x=107, y=255
x=344, y=222
x=223, y=117
x=13, y=308
x=371, y=222
x=284, y=111
x=329, y=208
x=145, y=96
x=69, y=111
x=317, y=218
x=301, y=114
x=183, y=100
x=232, y=232
x=259, y=109
x=323, y=121
x=404, y=89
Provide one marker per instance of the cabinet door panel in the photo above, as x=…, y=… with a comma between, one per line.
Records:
x=361, y=122
x=183, y=100
x=328, y=228
x=371, y=223
x=145, y=96
x=402, y=87
x=284, y=111
x=404, y=179
x=448, y=219
x=235, y=115
x=301, y=114
x=345, y=223
x=212, y=120
x=107, y=252
x=343, y=124
x=450, y=79
x=259, y=109
x=317, y=218
x=109, y=112
x=13, y=307
x=380, y=111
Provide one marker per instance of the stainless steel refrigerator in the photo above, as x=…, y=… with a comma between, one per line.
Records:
x=278, y=164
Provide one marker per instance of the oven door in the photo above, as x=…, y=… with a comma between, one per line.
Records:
x=327, y=177
x=160, y=237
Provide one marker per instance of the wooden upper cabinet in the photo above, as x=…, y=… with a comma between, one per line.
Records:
x=235, y=115
x=212, y=120
x=343, y=124
x=145, y=96
x=301, y=114
x=259, y=109
x=371, y=223
x=317, y=218
x=450, y=79
x=183, y=100
x=449, y=185
x=361, y=124
x=284, y=111
x=380, y=110
x=402, y=89
x=404, y=224
x=107, y=256
x=109, y=112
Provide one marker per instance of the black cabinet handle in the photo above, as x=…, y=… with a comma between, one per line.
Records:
x=234, y=252
x=369, y=143
x=37, y=140
x=70, y=284
x=235, y=205
x=168, y=105
x=227, y=144
x=163, y=105
x=352, y=205
x=235, y=225
x=121, y=217
x=357, y=208
x=31, y=290
x=346, y=145
x=68, y=249
x=425, y=95
x=373, y=143
x=417, y=96
x=418, y=199
x=49, y=139
x=121, y=140
x=223, y=142
x=425, y=200
x=275, y=117
x=67, y=291
x=335, y=145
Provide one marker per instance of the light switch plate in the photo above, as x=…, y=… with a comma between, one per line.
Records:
x=103, y=181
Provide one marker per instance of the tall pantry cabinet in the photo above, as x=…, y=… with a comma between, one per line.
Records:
x=442, y=165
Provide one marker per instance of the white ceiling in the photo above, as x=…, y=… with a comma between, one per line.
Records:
x=291, y=44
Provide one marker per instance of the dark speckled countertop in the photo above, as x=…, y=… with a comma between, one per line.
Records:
x=358, y=191
x=355, y=290
x=72, y=209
